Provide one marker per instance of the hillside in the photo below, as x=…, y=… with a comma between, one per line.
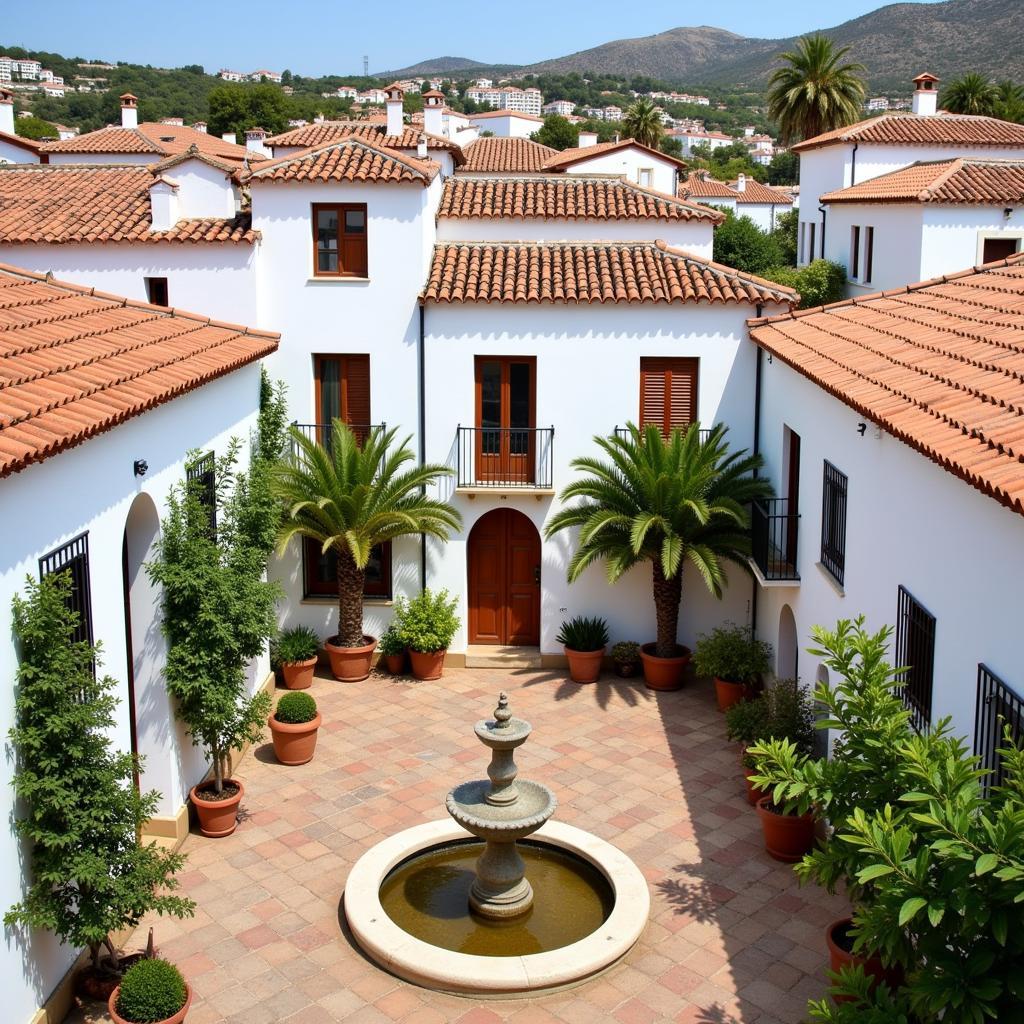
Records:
x=447, y=65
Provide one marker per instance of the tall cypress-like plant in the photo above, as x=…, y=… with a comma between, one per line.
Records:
x=81, y=812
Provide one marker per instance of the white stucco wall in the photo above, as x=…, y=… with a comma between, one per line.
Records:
x=898, y=237
x=629, y=161
x=506, y=127
x=954, y=236
x=14, y=154
x=764, y=215
x=203, y=191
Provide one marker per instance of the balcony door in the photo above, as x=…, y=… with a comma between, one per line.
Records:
x=342, y=392
x=506, y=390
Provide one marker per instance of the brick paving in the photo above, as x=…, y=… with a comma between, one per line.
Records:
x=731, y=940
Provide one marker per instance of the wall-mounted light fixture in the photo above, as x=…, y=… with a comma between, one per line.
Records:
x=141, y=467
x=862, y=428
x=1007, y=212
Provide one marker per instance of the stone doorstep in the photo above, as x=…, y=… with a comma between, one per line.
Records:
x=485, y=656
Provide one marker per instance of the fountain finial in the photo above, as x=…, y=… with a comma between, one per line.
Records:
x=502, y=715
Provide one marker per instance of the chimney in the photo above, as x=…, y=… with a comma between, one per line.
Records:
x=421, y=147
x=129, y=111
x=163, y=204
x=926, y=96
x=393, y=96
x=433, y=108
x=229, y=137
x=741, y=183
x=255, y=139
x=199, y=126
x=6, y=112
x=587, y=139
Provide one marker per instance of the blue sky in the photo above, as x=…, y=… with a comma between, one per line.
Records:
x=330, y=36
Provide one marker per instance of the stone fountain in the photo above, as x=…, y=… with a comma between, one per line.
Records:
x=501, y=810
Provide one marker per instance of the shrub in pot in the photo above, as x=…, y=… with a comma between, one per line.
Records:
x=293, y=728
x=585, y=639
x=746, y=723
x=735, y=659
x=392, y=650
x=151, y=992
x=626, y=658
x=295, y=652
x=426, y=625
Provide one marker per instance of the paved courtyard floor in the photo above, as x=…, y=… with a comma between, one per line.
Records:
x=732, y=939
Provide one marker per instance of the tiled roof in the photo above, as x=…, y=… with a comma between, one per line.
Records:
x=348, y=159
x=939, y=364
x=697, y=186
x=579, y=272
x=507, y=156
x=75, y=362
x=57, y=204
x=571, y=156
x=755, y=193
x=312, y=135
x=149, y=137
x=923, y=130
x=16, y=140
x=484, y=114
x=966, y=181
x=564, y=197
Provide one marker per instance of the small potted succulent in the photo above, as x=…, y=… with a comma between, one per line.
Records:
x=293, y=727
x=626, y=658
x=151, y=992
x=735, y=659
x=295, y=653
x=426, y=626
x=585, y=639
x=391, y=647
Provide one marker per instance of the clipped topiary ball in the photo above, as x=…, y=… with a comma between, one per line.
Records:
x=295, y=708
x=151, y=990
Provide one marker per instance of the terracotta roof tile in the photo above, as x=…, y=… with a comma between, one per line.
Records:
x=939, y=364
x=583, y=272
x=964, y=181
x=564, y=197
x=347, y=159
x=314, y=135
x=700, y=185
x=506, y=156
x=161, y=140
x=756, y=193
x=57, y=204
x=16, y=140
x=568, y=157
x=75, y=362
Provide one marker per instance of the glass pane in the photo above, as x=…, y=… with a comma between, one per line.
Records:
x=330, y=390
x=375, y=566
x=327, y=262
x=327, y=229
x=355, y=222
x=490, y=406
x=327, y=568
x=519, y=395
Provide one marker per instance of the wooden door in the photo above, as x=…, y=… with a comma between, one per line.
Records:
x=505, y=399
x=504, y=580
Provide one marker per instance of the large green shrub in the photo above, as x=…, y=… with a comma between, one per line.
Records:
x=739, y=243
x=151, y=990
x=428, y=622
x=79, y=808
x=295, y=708
x=819, y=283
x=732, y=653
x=783, y=712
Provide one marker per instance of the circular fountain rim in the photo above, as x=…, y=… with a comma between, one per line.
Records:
x=424, y=964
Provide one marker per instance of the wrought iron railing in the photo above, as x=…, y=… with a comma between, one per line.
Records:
x=321, y=432
x=503, y=457
x=623, y=432
x=998, y=708
x=833, y=522
x=915, y=651
x=773, y=538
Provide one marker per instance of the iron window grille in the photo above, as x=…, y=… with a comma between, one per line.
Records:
x=915, y=651
x=998, y=707
x=201, y=478
x=833, y=522
x=73, y=557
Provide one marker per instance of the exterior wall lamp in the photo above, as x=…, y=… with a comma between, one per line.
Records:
x=862, y=428
x=140, y=467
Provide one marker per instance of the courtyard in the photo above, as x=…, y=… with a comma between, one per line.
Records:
x=732, y=938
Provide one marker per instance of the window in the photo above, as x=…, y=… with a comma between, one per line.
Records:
x=854, y=252
x=342, y=385
x=73, y=557
x=321, y=573
x=505, y=398
x=915, y=651
x=801, y=242
x=645, y=176
x=668, y=392
x=202, y=475
x=810, y=242
x=869, y=254
x=339, y=240
x=833, y=522
x=156, y=291
x=998, y=707
x=998, y=249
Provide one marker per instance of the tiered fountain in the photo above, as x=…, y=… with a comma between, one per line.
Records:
x=498, y=912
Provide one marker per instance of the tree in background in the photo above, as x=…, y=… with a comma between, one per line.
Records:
x=741, y=244
x=34, y=128
x=670, y=146
x=784, y=234
x=557, y=132
x=814, y=92
x=643, y=123
x=234, y=107
x=1010, y=106
x=784, y=169
x=970, y=94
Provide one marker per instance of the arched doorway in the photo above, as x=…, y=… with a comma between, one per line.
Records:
x=786, y=649
x=504, y=580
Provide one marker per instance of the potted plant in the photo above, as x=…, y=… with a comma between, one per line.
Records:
x=746, y=723
x=349, y=498
x=426, y=625
x=665, y=501
x=151, y=992
x=392, y=649
x=78, y=810
x=735, y=659
x=626, y=658
x=585, y=640
x=295, y=652
x=218, y=614
x=293, y=728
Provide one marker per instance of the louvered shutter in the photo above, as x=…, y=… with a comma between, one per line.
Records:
x=357, y=391
x=668, y=392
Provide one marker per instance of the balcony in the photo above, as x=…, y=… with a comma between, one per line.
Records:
x=321, y=432
x=497, y=460
x=623, y=432
x=773, y=536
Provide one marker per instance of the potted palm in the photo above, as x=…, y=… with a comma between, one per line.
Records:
x=426, y=626
x=152, y=992
x=293, y=728
x=666, y=502
x=391, y=647
x=626, y=658
x=349, y=498
x=735, y=659
x=585, y=640
x=295, y=652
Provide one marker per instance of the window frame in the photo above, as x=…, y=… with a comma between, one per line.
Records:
x=869, y=253
x=917, y=687
x=315, y=588
x=73, y=555
x=855, y=252
x=688, y=361
x=810, y=240
x=160, y=284
x=344, y=400
x=340, y=210
x=203, y=470
x=997, y=704
x=834, y=496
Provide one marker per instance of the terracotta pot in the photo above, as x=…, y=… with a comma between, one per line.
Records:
x=298, y=675
x=753, y=793
x=395, y=663
x=584, y=666
x=427, y=664
x=351, y=664
x=729, y=693
x=664, y=673
x=178, y=1018
x=626, y=669
x=787, y=837
x=217, y=818
x=294, y=743
x=840, y=956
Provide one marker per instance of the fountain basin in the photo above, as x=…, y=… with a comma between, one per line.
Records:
x=429, y=965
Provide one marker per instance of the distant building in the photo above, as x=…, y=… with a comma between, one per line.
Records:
x=561, y=107
x=878, y=103
x=231, y=76
x=509, y=97
x=270, y=76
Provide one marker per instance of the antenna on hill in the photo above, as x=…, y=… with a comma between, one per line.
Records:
x=366, y=67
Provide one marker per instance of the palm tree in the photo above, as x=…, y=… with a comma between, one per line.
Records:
x=643, y=123
x=1010, y=104
x=349, y=498
x=667, y=502
x=814, y=92
x=970, y=94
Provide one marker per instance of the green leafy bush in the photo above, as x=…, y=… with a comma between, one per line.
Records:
x=391, y=642
x=295, y=708
x=584, y=633
x=732, y=653
x=739, y=243
x=783, y=712
x=151, y=990
x=747, y=721
x=428, y=622
x=819, y=283
x=626, y=652
x=300, y=643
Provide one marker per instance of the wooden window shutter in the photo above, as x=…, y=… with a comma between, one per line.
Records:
x=357, y=390
x=668, y=392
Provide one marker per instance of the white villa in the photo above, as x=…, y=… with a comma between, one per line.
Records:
x=744, y=197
